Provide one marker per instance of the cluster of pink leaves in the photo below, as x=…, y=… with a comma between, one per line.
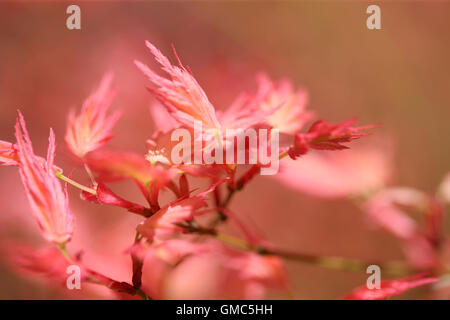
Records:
x=181, y=237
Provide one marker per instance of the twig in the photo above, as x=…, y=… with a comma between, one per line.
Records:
x=329, y=262
x=75, y=184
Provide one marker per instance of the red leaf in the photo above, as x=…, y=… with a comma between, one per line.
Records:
x=390, y=288
x=106, y=196
x=326, y=136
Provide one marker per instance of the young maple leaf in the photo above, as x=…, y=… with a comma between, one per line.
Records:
x=48, y=201
x=326, y=136
x=388, y=209
x=183, y=97
x=289, y=106
x=91, y=129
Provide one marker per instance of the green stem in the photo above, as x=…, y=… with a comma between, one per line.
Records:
x=75, y=184
x=396, y=268
x=63, y=249
x=283, y=155
x=143, y=295
x=90, y=174
x=241, y=244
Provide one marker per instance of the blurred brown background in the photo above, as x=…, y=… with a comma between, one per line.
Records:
x=397, y=76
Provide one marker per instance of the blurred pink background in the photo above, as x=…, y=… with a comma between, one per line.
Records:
x=397, y=76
